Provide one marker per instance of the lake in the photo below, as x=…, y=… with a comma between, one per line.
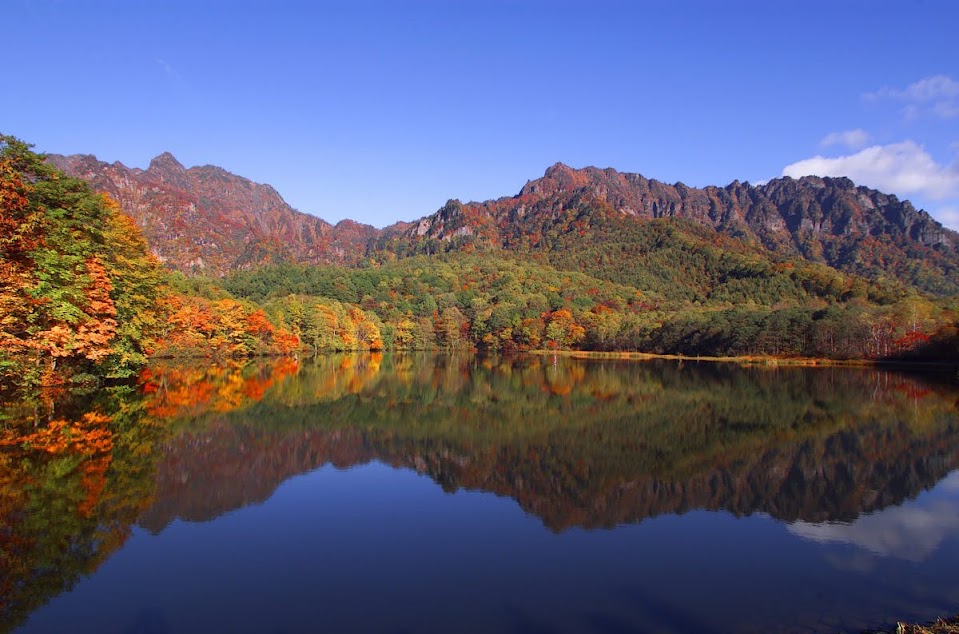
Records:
x=444, y=493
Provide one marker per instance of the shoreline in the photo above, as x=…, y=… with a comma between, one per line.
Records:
x=761, y=361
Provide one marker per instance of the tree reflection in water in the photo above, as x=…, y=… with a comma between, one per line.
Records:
x=577, y=443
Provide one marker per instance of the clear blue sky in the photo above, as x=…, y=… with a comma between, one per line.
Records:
x=381, y=111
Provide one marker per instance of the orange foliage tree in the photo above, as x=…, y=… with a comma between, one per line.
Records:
x=75, y=277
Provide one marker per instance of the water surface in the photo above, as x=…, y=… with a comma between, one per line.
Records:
x=456, y=494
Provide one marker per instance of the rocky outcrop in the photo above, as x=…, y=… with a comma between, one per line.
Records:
x=205, y=219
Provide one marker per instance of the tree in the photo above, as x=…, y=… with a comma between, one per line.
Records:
x=562, y=331
x=64, y=257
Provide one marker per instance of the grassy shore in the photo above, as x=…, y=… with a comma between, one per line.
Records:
x=939, y=366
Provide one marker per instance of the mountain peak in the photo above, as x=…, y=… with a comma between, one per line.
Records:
x=558, y=169
x=558, y=177
x=166, y=162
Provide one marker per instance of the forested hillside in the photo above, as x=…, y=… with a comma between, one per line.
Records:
x=495, y=303
x=670, y=257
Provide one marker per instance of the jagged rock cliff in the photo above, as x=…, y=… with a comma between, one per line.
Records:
x=205, y=219
x=827, y=220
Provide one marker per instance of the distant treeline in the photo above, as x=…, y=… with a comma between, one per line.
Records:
x=497, y=304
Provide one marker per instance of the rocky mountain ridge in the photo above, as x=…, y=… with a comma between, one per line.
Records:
x=207, y=220
x=831, y=221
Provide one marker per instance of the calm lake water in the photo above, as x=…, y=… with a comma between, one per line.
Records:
x=456, y=494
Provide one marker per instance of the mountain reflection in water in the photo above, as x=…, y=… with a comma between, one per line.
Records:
x=581, y=443
x=576, y=443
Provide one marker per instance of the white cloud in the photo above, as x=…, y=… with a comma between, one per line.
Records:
x=928, y=89
x=853, y=139
x=906, y=533
x=937, y=95
x=902, y=168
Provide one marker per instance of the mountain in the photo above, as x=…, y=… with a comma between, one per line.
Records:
x=205, y=219
x=229, y=466
x=828, y=221
x=674, y=240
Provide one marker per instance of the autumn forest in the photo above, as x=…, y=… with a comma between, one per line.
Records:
x=83, y=299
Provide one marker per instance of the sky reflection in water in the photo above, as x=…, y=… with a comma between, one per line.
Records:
x=913, y=531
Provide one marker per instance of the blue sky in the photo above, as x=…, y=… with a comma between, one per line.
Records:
x=381, y=111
